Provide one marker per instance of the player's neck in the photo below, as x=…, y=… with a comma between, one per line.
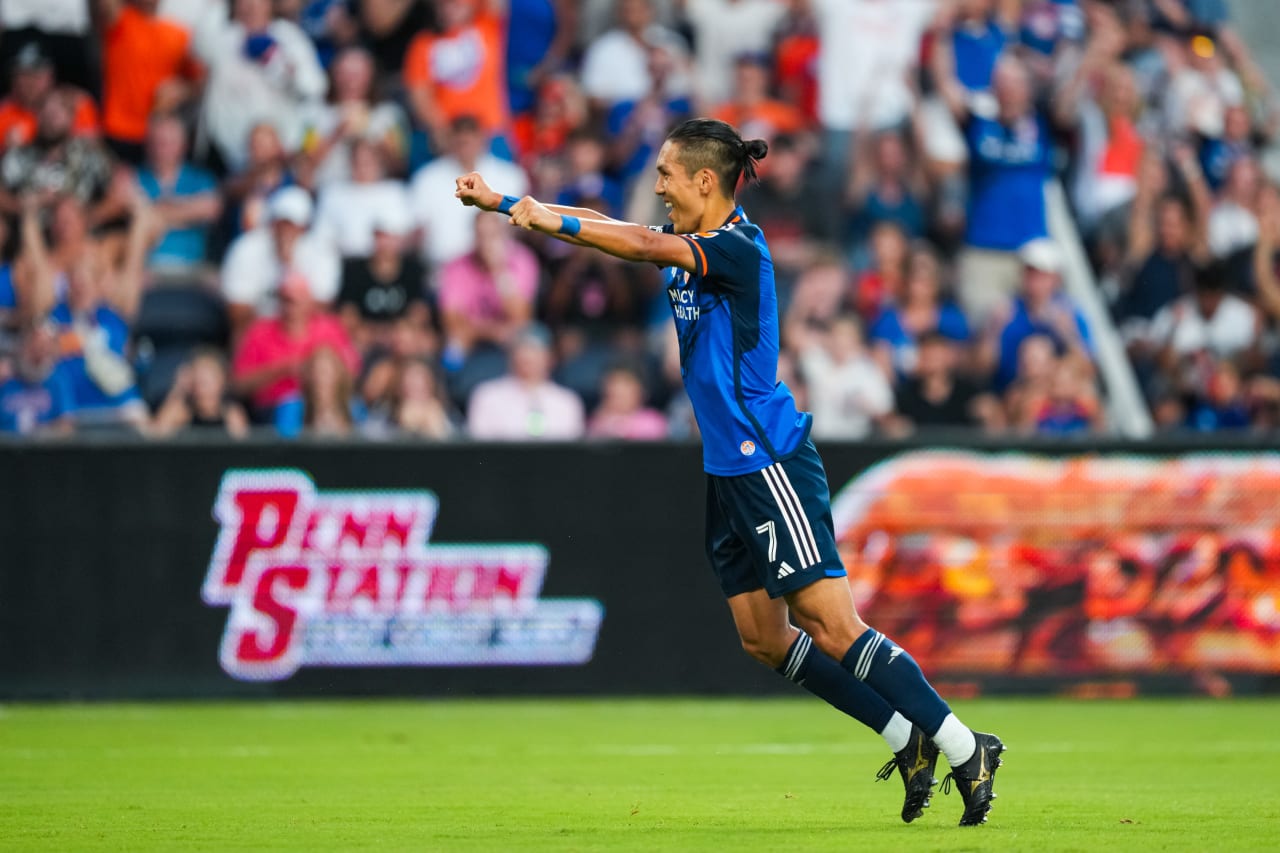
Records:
x=715, y=213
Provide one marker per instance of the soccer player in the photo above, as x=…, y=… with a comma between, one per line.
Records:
x=769, y=532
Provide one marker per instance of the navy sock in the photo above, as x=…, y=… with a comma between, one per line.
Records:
x=827, y=680
x=886, y=666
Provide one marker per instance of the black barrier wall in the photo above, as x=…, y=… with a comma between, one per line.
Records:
x=143, y=570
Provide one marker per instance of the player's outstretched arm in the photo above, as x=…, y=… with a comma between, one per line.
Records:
x=624, y=240
x=581, y=226
x=473, y=191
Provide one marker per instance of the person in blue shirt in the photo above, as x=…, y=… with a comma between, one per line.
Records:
x=185, y=197
x=769, y=534
x=38, y=397
x=1010, y=158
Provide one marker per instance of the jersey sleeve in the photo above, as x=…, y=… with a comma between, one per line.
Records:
x=725, y=259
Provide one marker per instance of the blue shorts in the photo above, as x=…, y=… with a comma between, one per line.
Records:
x=772, y=529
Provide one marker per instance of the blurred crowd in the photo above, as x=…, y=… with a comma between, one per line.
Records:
x=229, y=215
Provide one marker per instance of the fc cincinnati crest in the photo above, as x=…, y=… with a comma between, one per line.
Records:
x=349, y=579
x=748, y=448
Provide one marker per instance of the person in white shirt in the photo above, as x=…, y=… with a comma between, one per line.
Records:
x=724, y=30
x=260, y=69
x=867, y=48
x=257, y=260
x=615, y=68
x=448, y=232
x=848, y=391
x=348, y=210
x=1207, y=320
x=350, y=115
x=1233, y=222
x=525, y=405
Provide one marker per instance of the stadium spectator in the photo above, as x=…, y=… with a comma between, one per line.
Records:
x=885, y=186
x=724, y=30
x=386, y=290
x=418, y=408
x=185, y=198
x=93, y=321
x=38, y=397
x=525, y=405
x=1010, y=151
x=883, y=278
x=58, y=29
x=1103, y=102
x=617, y=67
x=1210, y=320
x=796, y=58
x=1040, y=308
x=1165, y=243
x=1222, y=403
x=486, y=298
x=268, y=365
x=560, y=112
x=1070, y=407
x=847, y=392
x=199, y=400
x=347, y=210
x=260, y=260
x=1239, y=139
x=267, y=168
x=325, y=406
x=460, y=71
x=1233, y=221
x=597, y=306
x=1037, y=360
x=586, y=177
x=622, y=413
x=917, y=312
x=1201, y=85
x=937, y=396
x=821, y=293
x=540, y=39
x=868, y=47
x=147, y=68
x=794, y=206
x=33, y=82
x=350, y=115
x=261, y=69
x=637, y=127
x=387, y=28
x=750, y=108
x=57, y=163
x=449, y=232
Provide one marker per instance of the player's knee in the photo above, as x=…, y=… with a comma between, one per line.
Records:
x=833, y=638
x=770, y=651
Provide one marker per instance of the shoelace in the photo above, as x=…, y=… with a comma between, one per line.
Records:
x=886, y=773
x=946, y=783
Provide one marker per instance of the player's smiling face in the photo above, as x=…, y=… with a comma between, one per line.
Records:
x=680, y=191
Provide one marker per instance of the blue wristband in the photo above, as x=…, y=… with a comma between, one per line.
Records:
x=508, y=202
x=570, y=226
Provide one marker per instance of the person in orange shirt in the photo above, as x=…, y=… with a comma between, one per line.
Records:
x=147, y=68
x=751, y=110
x=33, y=80
x=460, y=70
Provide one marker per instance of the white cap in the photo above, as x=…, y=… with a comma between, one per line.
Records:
x=291, y=204
x=1042, y=254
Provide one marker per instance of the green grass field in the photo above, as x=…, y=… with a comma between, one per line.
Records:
x=621, y=775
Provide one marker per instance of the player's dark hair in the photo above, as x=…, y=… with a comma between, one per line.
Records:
x=711, y=144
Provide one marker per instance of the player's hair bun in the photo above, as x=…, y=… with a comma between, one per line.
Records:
x=757, y=149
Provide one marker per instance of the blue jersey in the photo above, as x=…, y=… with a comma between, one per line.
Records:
x=726, y=314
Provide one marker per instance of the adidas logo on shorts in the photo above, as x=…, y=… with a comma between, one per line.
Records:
x=785, y=570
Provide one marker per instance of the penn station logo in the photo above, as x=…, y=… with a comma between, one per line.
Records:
x=351, y=579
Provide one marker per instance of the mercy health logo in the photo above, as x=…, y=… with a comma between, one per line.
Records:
x=349, y=579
